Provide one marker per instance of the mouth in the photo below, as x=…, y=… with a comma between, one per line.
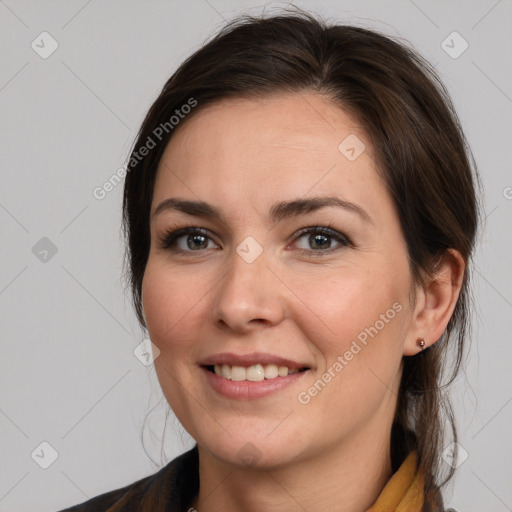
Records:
x=250, y=376
x=253, y=373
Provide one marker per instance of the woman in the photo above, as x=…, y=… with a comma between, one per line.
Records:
x=300, y=213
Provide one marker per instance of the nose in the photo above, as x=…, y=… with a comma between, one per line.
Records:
x=250, y=295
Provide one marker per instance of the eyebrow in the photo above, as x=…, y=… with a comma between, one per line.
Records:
x=278, y=211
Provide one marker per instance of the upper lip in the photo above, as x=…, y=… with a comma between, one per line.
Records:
x=250, y=359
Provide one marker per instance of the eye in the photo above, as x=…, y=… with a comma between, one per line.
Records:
x=320, y=238
x=186, y=240
x=194, y=240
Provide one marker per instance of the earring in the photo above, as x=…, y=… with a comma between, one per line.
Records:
x=421, y=343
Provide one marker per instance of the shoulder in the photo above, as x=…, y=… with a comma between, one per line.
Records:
x=171, y=488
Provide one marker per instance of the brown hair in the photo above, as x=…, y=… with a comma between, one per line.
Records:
x=419, y=145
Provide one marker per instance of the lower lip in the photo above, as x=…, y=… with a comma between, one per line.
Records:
x=246, y=389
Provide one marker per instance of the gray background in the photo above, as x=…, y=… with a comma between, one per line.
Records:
x=68, y=373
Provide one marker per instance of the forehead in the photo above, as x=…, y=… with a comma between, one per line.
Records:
x=257, y=151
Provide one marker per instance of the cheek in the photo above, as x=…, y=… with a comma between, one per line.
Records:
x=356, y=305
x=171, y=305
x=363, y=320
x=169, y=301
x=357, y=329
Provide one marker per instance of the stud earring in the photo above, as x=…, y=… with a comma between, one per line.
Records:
x=421, y=343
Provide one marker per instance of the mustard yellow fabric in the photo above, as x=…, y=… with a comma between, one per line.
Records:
x=405, y=490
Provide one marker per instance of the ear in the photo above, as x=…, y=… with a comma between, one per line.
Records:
x=435, y=302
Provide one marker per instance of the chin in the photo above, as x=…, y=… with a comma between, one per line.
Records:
x=245, y=453
x=247, y=449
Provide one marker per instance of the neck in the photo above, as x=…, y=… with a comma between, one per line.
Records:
x=349, y=478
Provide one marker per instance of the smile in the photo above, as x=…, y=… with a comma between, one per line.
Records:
x=245, y=389
x=253, y=373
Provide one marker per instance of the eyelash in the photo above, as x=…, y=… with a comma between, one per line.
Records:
x=168, y=240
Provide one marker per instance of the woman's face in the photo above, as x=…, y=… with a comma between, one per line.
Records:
x=253, y=292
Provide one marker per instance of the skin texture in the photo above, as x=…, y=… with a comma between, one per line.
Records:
x=242, y=156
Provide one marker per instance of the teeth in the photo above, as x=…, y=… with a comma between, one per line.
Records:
x=238, y=373
x=283, y=371
x=254, y=373
x=271, y=371
x=226, y=371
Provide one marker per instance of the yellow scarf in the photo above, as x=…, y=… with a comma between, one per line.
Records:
x=404, y=492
